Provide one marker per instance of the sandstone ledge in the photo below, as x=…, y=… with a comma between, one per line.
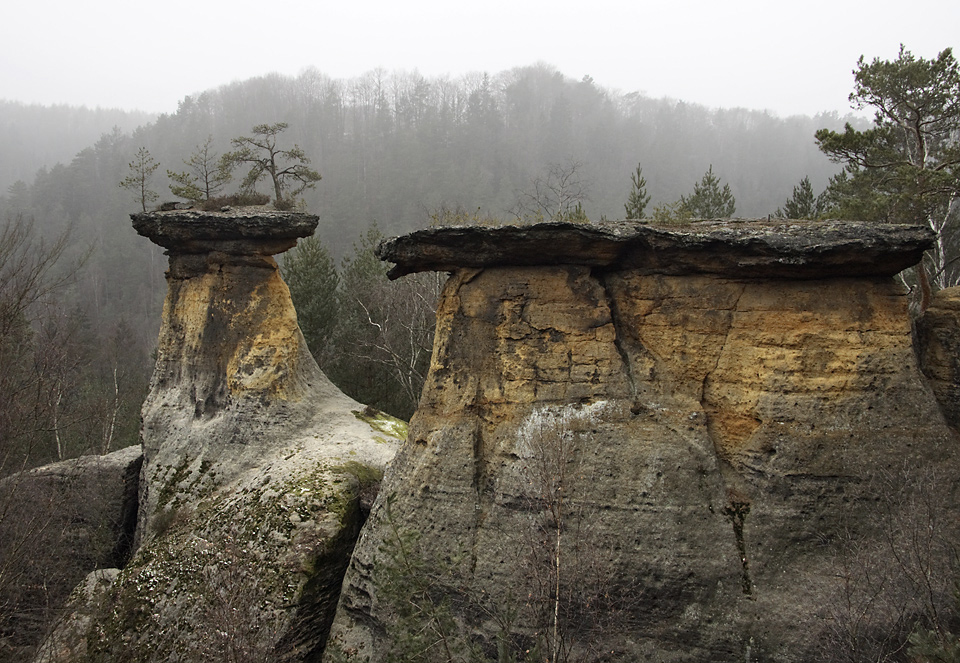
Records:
x=244, y=230
x=734, y=248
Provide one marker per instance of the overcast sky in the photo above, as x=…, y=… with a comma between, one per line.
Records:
x=787, y=57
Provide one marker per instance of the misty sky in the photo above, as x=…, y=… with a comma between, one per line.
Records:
x=787, y=57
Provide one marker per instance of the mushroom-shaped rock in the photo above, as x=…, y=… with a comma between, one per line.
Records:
x=652, y=443
x=253, y=463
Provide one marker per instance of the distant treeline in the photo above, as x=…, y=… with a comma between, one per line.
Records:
x=33, y=136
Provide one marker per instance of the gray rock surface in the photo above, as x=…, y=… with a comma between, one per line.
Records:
x=938, y=345
x=750, y=248
x=58, y=523
x=669, y=444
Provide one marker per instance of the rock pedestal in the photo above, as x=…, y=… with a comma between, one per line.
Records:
x=253, y=464
x=649, y=443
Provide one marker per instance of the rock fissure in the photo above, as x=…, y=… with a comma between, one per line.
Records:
x=619, y=339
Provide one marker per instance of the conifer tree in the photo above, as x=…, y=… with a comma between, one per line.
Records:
x=205, y=177
x=906, y=168
x=141, y=170
x=709, y=200
x=312, y=277
x=284, y=166
x=638, y=199
x=802, y=204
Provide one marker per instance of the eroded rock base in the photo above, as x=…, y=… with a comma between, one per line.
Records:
x=639, y=466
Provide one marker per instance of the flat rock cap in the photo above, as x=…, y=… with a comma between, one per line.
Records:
x=245, y=230
x=735, y=248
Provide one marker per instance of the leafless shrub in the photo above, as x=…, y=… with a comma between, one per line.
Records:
x=901, y=575
x=576, y=597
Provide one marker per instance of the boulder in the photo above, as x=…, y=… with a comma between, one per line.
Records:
x=58, y=523
x=254, y=463
x=654, y=443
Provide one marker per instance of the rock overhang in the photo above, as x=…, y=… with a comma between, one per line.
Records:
x=239, y=230
x=736, y=248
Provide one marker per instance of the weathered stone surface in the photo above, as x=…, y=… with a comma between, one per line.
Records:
x=771, y=249
x=716, y=436
x=58, y=523
x=253, y=462
x=938, y=344
x=241, y=230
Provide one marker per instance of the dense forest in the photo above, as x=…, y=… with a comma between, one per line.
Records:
x=393, y=149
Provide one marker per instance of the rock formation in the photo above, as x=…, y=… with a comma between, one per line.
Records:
x=58, y=523
x=652, y=443
x=253, y=464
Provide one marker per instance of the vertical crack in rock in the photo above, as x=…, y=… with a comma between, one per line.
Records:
x=619, y=338
x=736, y=512
x=738, y=501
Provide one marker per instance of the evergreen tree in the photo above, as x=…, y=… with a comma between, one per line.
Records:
x=802, y=204
x=313, y=281
x=141, y=170
x=906, y=168
x=205, y=177
x=638, y=199
x=709, y=200
x=284, y=166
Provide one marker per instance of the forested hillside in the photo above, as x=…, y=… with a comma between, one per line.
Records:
x=33, y=136
x=391, y=147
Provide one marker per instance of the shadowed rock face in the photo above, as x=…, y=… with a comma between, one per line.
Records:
x=699, y=415
x=938, y=340
x=771, y=249
x=253, y=464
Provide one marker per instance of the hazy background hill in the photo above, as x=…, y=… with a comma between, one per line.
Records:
x=33, y=136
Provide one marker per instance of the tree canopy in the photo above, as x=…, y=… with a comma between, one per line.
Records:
x=906, y=167
x=284, y=166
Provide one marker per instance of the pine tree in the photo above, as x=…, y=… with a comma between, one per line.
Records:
x=803, y=204
x=284, y=166
x=638, y=199
x=312, y=277
x=709, y=200
x=141, y=170
x=205, y=177
x=906, y=168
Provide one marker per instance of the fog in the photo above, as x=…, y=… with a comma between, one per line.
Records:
x=789, y=58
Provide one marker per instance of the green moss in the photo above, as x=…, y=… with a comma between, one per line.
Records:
x=383, y=422
x=278, y=516
x=365, y=474
x=171, y=483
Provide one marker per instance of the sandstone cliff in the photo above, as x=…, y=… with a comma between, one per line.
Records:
x=642, y=443
x=253, y=464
